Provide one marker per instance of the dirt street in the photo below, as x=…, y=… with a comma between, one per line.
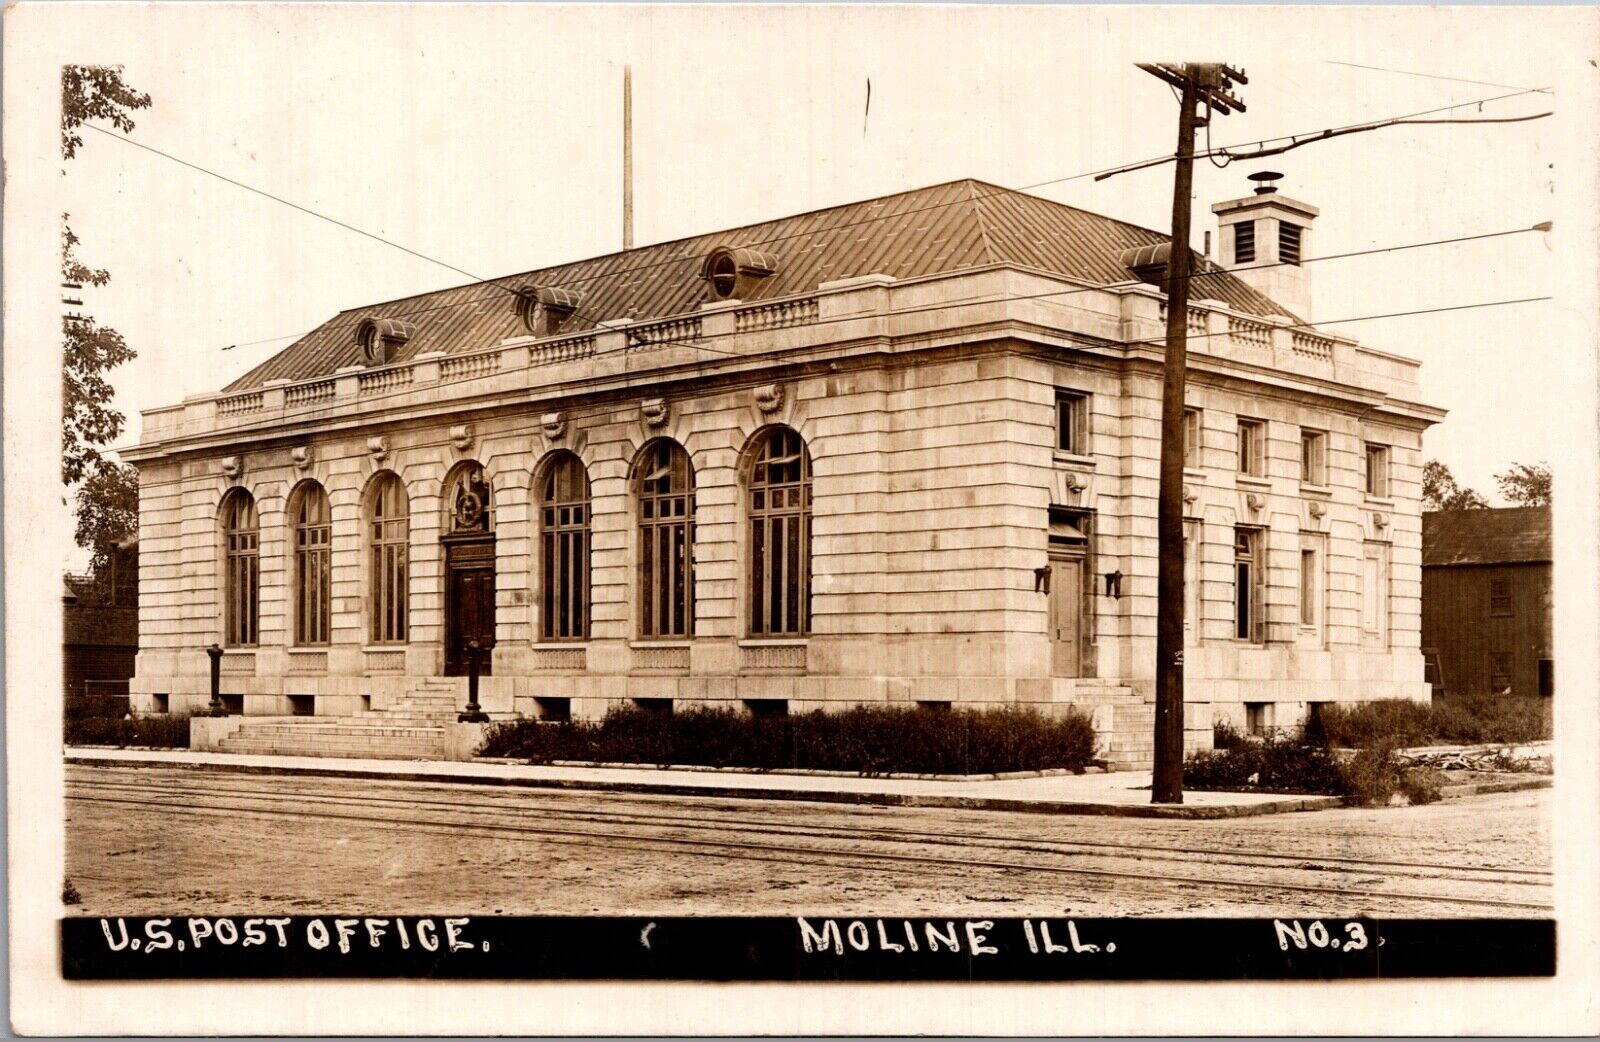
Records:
x=172, y=841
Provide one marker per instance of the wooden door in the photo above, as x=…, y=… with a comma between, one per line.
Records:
x=1066, y=616
x=470, y=616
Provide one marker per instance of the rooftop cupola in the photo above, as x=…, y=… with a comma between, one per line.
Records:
x=1265, y=236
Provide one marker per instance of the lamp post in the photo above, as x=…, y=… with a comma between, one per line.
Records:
x=474, y=713
x=215, y=654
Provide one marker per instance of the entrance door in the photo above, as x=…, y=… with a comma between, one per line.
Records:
x=1066, y=616
x=469, y=616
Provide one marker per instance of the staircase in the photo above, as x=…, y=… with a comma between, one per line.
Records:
x=1124, y=723
x=410, y=728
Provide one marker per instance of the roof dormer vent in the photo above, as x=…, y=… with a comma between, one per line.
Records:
x=735, y=273
x=544, y=309
x=1149, y=263
x=380, y=339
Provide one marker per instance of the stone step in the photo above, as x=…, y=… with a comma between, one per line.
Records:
x=397, y=731
x=347, y=753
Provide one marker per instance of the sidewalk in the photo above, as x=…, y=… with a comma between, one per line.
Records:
x=1120, y=794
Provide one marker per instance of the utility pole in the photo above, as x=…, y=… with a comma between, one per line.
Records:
x=1203, y=90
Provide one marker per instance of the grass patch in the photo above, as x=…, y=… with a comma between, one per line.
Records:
x=1463, y=719
x=863, y=739
x=109, y=725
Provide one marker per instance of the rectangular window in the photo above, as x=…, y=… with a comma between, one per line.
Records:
x=1308, y=588
x=389, y=566
x=1072, y=422
x=1288, y=243
x=1313, y=457
x=1191, y=582
x=1249, y=586
x=1252, y=447
x=242, y=586
x=1378, y=470
x=1375, y=594
x=1500, y=672
x=1255, y=718
x=1191, y=438
x=1499, y=596
x=1244, y=242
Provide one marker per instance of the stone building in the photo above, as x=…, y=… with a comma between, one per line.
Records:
x=902, y=451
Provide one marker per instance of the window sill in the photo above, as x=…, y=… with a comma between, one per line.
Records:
x=559, y=645
x=1320, y=491
x=1253, y=481
x=1381, y=501
x=398, y=646
x=774, y=642
x=1073, y=459
x=654, y=643
x=1193, y=472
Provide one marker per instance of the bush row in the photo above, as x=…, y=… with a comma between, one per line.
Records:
x=1372, y=776
x=1454, y=719
x=167, y=732
x=865, y=739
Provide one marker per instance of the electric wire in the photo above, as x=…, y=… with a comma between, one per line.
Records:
x=493, y=282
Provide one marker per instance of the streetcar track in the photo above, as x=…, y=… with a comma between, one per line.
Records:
x=889, y=835
x=774, y=853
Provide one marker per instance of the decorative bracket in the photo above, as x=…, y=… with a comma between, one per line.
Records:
x=1073, y=482
x=461, y=437
x=232, y=467
x=769, y=397
x=378, y=448
x=654, y=411
x=300, y=455
x=1254, y=501
x=1380, y=520
x=554, y=424
x=1189, y=494
x=1316, y=509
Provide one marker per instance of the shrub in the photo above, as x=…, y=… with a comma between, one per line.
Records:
x=863, y=739
x=1225, y=736
x=1370, y=777
x=1421, y=785
x=1454, y=719
x=1271, y=765
x=160, y=731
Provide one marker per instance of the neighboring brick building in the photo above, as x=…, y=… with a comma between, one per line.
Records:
x=1486, y=578
x=903, y=450
x=100, y=628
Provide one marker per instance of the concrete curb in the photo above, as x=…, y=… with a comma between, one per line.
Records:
x=884, y=799
x=1484, y=788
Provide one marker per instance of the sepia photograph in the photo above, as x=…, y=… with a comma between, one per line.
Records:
x=662, y=512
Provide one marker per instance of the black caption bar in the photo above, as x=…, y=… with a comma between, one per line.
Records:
x=799, y=949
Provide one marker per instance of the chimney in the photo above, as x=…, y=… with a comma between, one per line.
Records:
x=1264, y=237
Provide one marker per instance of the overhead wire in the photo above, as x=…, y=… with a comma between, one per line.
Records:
x=569, y=283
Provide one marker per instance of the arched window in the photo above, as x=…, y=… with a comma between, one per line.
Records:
x=665, y=489
x=389, y=539
x=564, y=548
x=312, y=586
x=780, y=535
x=241, y=571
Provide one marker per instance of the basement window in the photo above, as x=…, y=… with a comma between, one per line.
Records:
x=764, y=708
x=302, y=705
x=1288, y=243
x=558, y=710
x=1255, y=718
x=1244, y=242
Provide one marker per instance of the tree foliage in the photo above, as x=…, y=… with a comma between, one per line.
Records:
x=89, y=352
x=1440, y=491
x=107, y=492
x=108, y=510
x=95, y=92
x=1525, y=484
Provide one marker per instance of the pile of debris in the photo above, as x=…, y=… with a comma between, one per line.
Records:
x=1495, y=760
